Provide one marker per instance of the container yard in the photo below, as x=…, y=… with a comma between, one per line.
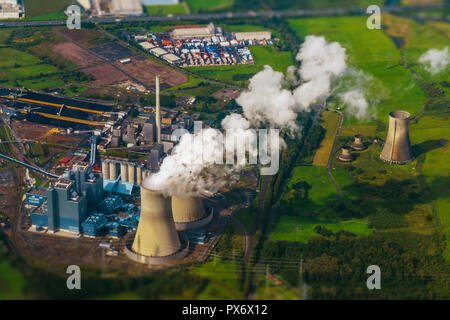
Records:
x=202, y=46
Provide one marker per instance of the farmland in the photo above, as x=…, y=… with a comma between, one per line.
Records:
x=46, y=9
x=330, y=124
x=159, y=10
x=206, y=5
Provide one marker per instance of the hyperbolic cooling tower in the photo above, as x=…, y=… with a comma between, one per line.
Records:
x=397, y=148
x=189, y=213
x=358, y=143
x=156, y=235
x=345, y=155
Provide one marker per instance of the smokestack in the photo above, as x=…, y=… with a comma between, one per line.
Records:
x=156, y=235
x=397, y=148
x=158, y=113
x=138, y=175
x=189, y=213
x=358, y=143
x=345, y=155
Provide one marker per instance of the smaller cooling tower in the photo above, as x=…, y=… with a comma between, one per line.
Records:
x=397, y=148
x=358, y=144
x=189, y=213
x=345, y=155
x=156, y=241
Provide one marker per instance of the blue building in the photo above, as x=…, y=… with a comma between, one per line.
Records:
x=35, y=196
x=155, y=2
x=94, y=224
x=68, y=200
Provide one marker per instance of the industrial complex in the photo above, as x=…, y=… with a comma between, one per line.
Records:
x=200, y=45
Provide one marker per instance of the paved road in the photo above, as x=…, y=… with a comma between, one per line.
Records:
x=341, y=115
x=228, y=15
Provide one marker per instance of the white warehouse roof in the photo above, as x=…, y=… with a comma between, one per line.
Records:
x=255, y=35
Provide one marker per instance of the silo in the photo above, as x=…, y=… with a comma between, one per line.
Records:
x=397, y=148
x=189, y=213
x=138, y=175
x=156, y=235
x=123, y=172
x=131, y=175
x=345, y=155
x=358, y=144
x=112, y=171
x=105, y=169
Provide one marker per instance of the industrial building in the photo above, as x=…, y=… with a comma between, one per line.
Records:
x=189, y=32
x=397, y=148
x=10, y=9
x=116, y=7
x=254, y=35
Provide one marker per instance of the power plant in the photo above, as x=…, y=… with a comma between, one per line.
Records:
x=189, y=213
x=397, y=148
x=157, y=240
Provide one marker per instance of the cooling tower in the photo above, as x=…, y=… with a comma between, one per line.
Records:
x=345, y=155
x=105, y=170
x=131, y=175
x=123, y=172
x=358, y=143
x=397, y=148
x=112, y=171
x=189, y=213
x=156, y=235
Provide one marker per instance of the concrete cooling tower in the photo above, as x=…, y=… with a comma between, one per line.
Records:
x=189, y=213
x=157, y=240
x=397, y=148
x=345, y=155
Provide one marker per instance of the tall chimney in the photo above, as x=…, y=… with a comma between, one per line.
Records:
x=158, y=113
x=397, y=148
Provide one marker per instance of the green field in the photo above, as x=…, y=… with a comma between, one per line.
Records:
x=263, y=55
x=11, y=282
x=207, y=5
x=298, y=228
x=46, y=9
x=371, y=51
x=160, y=10
x=330, y=124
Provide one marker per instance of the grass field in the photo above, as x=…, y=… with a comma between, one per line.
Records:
x=11, y=282
x=46, y=9
x=330, y=124
x=263, y=55
x=160, y=10
x=393, y=86
x=207, y=5
x=298, y=228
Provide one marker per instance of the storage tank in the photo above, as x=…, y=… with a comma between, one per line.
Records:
x=397, y=148
x=123, y=172
x=189, y=213
x=105, y=170
x=131, y=175
x=138, y=175
x=156, y=235
x=112, y=171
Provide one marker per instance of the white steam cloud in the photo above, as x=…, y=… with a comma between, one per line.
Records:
x=435, y=60
x=193, y=165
